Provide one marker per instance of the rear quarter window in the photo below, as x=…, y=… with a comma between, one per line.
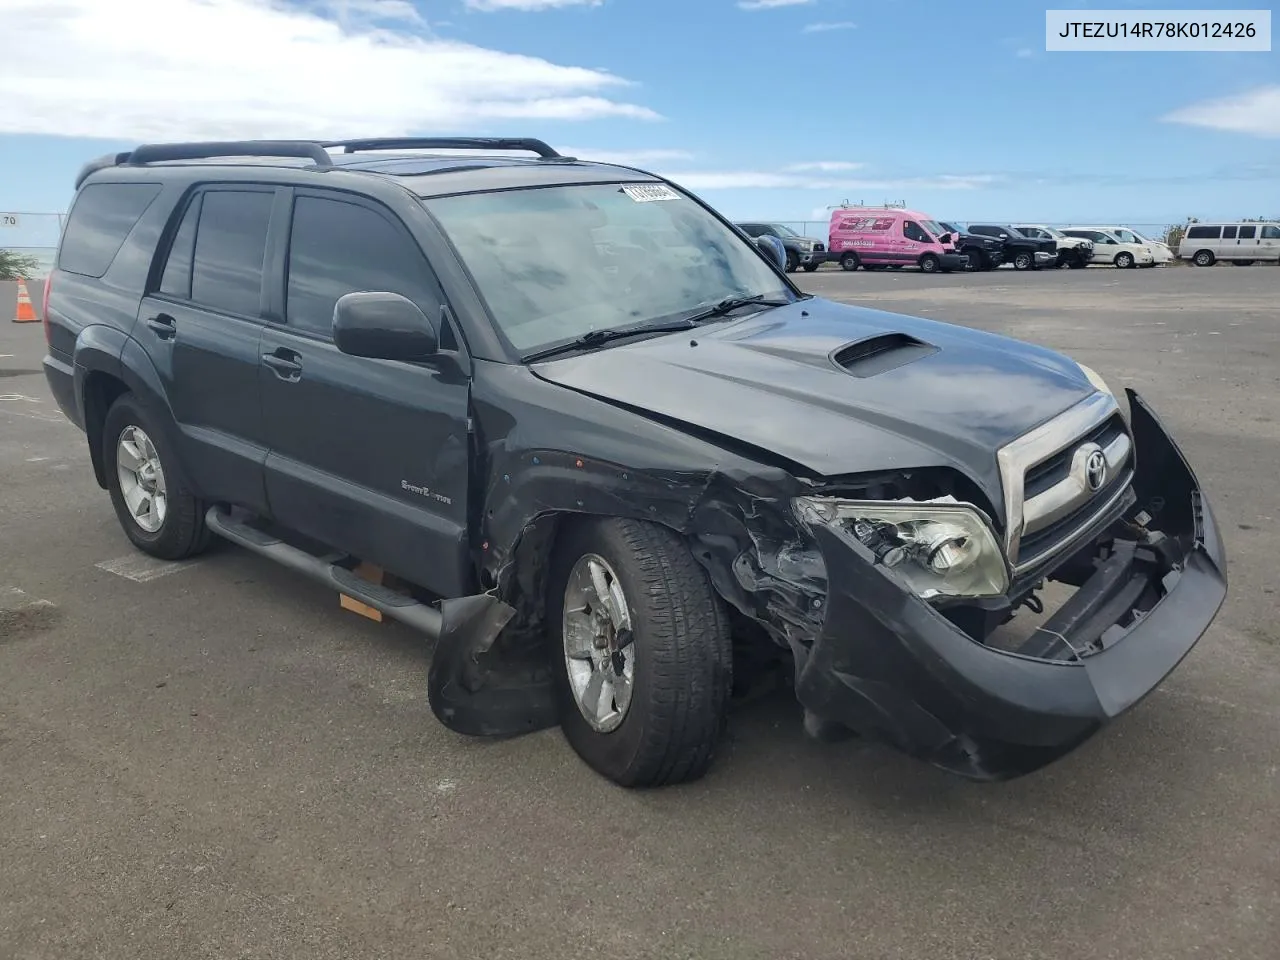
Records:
x=101, y=219
x=1204, y=233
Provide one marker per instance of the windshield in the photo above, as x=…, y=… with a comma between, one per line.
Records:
x=1053, y=232
x=1128, y=236
x=934, y=227
x=782, y=231
x=555, y=263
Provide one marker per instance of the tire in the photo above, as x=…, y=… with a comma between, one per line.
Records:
x=975, y=259
x=1244, y=263
x=1023, y=261
x=179, y=530
x=1078, y=262
x=849, y=261
x=929, y=263
x=669, y=728
x=810, y=267
x=793, y=261
x=1125, y=261
x=1203, y=258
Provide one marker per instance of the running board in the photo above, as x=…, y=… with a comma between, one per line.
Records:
x=398, y=606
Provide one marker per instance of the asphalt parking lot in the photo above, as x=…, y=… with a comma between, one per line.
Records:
x=211, y=760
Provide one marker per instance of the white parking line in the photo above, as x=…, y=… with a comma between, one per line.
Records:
x=141, y=568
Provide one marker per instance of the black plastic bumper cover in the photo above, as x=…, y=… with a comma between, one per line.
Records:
x=889, y=665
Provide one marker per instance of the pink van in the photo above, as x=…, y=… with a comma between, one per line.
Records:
x=878, y=238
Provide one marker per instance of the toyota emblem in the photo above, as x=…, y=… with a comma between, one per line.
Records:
x=1095, y=470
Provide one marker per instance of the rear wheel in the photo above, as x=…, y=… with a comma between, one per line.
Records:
x=641, y=652
x=1124, y=260
x=1023, y=261
x=849, y=261
x=1203, y=258
x=156, y=509
x=929, y=263
x=1244, y=263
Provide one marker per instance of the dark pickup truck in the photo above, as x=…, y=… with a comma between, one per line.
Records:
x=802, y=251
x=1025, y=253
x=984, y=253
x=610, y=454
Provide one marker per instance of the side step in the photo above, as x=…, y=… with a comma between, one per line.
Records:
x=398, y=606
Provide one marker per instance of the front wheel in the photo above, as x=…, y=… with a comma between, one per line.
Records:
x=1078, y=262
x=810, y=267
x=793, y=261
x=1023, y=261
x=929, y=263
x=849, y=262
x=975, y=260
x=1124, y=260
x=641, y=652
x=158, y=512
x=1203, y=258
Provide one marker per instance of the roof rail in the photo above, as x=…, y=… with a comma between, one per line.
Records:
x=449, y=143
x=160, y=152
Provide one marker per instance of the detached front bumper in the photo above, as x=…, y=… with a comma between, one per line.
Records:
x=1044, y=259
x=890, y=665
x=953, y=261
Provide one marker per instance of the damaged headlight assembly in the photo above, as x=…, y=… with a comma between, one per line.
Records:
x=938, y=549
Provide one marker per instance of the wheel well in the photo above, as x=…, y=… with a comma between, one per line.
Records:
x=101, y=390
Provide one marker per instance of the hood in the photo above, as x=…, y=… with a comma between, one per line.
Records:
x=838, y=389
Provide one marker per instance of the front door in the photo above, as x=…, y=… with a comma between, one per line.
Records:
x=368, y=456
x=200, y=327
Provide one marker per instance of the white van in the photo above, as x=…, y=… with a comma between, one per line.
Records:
x=1108, y=248
x=1159, y=249
x=1243, y=243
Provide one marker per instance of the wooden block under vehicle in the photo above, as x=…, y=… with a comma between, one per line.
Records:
x=365, y=571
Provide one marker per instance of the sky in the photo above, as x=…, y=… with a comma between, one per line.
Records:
x=768, y=109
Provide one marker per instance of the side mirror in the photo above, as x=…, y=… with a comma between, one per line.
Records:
x=382, y=326
x=772, y=248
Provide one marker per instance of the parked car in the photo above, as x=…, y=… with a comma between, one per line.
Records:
x=1073, y=252
x=982, y=253
x=1025, y=253
x=600, y=470
x=1108, y=248
x=1160, y=252
x=891, y=237
x=801, y=251
x=1244, y=243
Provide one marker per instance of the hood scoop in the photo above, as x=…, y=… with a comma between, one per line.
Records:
x=880, y=354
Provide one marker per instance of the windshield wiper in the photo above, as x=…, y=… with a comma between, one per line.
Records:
x=596, y=338
x=729, y=304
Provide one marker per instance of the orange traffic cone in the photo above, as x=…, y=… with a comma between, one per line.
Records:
x=26, y=312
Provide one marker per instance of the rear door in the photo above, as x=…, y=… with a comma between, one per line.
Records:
x=200, y=324
x=369, y=456
x=1247, y=242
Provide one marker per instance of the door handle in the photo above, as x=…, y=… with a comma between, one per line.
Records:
x=165, y=326
x=286, y=364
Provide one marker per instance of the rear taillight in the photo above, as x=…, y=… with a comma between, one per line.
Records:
x=44, y=306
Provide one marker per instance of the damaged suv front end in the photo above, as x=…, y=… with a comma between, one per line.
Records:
x=914, y=591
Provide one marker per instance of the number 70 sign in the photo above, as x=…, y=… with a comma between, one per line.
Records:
x=8, y=220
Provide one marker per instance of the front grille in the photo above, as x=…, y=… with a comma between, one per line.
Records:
x=1054, y=470
x=1043, y=541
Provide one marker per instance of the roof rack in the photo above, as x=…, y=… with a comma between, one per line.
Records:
x=449, y=143
x=162, y=152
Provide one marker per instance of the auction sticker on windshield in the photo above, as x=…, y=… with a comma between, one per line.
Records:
x=649, y=192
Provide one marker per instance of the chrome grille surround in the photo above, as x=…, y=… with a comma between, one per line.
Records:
x=1067, y=433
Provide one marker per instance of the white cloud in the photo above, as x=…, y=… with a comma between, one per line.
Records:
x=172, y=69
x=1024, y=53
x=771, y=4
x=825, y=166
x=644, y=159
x=491, y=5
x=1255, y=112
x=347, y=11
x=828, y=27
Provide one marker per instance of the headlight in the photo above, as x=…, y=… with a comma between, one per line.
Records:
x=1095, y=379
x=939, y=549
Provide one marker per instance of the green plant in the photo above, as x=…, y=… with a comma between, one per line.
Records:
x=17, y=266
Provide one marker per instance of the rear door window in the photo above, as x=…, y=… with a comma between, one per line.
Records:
x=176, y=279
x=101, y=219
x=337, y=247
x=1228, y=233
x=231, y=243
x=1248, y=233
